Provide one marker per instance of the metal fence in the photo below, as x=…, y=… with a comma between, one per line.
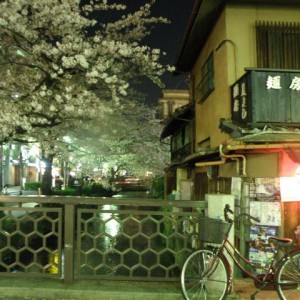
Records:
x=76, y=237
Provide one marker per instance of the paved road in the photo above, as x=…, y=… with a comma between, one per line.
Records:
x=49, y=289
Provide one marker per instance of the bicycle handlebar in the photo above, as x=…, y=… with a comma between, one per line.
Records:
x=250, y=217
x=228, y=210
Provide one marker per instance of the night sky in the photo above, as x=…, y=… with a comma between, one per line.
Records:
x=167, y=37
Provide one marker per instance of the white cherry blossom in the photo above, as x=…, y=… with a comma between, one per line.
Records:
x=61, y=65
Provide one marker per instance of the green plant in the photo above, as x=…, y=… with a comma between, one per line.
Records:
x=92, y=190
x=158, y=186
x=97, y=190
x=32, y=185
x=65, y=192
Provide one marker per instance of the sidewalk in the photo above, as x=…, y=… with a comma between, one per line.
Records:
x=53, y=289
x=244, y=288
x=16, y=191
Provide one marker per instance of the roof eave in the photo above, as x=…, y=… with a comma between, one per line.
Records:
x=204, y=15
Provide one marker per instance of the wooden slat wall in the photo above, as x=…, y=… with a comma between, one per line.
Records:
x=278, y=45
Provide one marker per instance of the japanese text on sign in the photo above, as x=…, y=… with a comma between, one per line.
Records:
x=274, y=82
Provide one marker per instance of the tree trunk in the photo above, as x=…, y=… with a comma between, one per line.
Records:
x=7, y=155
x=47, y=177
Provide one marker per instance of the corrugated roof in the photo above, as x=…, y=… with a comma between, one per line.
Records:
x=270, y=136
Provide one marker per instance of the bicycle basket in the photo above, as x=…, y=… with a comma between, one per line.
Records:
x=212, y=230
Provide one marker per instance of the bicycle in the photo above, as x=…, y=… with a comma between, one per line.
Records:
x=207, y=274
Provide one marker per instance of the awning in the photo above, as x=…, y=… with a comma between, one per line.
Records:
x=268, y=134
x=181, y=116
x=209, y=156
x=204, y=155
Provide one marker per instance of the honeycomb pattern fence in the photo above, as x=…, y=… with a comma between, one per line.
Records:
x=73, y=237
x=30, y=240
x=143, y=243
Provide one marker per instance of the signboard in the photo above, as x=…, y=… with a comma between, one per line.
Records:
x=263, y=96
x=240, y=100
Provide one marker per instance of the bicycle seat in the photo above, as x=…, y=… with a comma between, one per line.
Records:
x=281, y=242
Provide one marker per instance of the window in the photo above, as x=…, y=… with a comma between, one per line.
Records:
x=182, y=137
x=278, y=45
x=176, y=142
x=187, y=134
x=206, y=85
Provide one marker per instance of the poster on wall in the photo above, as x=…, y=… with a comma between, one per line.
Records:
x=265, y=201
x=265, y=189
x=266, y=206
x=261, y=252
x=269, y=213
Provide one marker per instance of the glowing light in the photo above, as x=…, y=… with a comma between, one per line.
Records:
x=67, y=139
x=297, y=173
x=34, y=150
x=290, y=188
x=112, y=226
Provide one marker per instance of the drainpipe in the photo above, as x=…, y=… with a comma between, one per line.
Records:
x=235, y=157
x=210, y=163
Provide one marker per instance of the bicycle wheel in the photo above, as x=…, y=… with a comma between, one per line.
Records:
x=205, y=276
x=287, y=277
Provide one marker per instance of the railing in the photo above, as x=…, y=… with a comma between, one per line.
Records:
x=182, y=152
x=77, y=237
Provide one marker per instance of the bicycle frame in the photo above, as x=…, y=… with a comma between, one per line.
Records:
x=207, y=267
x=237, y=258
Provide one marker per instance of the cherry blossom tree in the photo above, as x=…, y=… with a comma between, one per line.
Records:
x=60, y=63
x=126, y=140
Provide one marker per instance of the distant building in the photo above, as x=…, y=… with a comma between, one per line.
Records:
x=170, y=100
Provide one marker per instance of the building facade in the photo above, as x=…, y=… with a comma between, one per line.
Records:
x=170, y=101
x=239, y=135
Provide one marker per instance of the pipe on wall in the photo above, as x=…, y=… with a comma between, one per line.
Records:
x=235, y=157
x=210, y=163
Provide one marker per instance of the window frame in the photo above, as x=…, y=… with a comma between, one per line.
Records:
x=277, y=45
x=206, y=84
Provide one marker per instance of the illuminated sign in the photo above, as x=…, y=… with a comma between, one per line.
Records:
x=290, y=188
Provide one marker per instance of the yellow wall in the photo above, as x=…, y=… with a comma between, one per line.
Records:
x=262, y=165
x=257, y=165
x=216, y=105
x=236, y=25
x=240, y=24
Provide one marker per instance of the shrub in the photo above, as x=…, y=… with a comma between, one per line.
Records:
x=65, y=192
x=97, y=190
x=92, y=190
x=158, y=186
x=33, y=185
